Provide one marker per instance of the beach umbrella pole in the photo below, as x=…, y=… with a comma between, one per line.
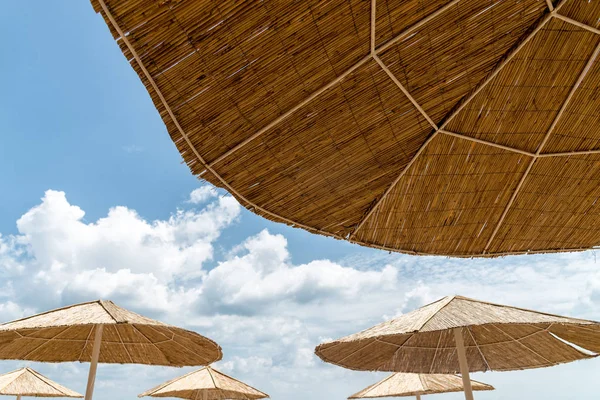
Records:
x=462, y=362
x=418, y=397
x=89, y=391
x=19, y=397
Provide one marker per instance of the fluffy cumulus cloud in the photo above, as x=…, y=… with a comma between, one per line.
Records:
x=266, y=311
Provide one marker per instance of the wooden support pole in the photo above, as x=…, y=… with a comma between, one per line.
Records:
x=462, y=362
x=418, y=397
x=89, y=391
x=19, y=397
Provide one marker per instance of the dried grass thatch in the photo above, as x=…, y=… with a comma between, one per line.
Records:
x=456, y=127
x=67, y=334
x=496, y=337
x=206, y=384
x=405, y=384
x=27, y=382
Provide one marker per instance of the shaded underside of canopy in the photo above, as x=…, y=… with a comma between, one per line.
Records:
x=206, y=384
x=454, y=127
x=27, y=382
x=403, y=385
x=67, y=334
x=496, y=337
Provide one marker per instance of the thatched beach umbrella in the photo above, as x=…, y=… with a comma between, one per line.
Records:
x=27, y=382
x=454, y=127
x=458, y=334
x=405, y=385
x=206, y=384
x=101, y=331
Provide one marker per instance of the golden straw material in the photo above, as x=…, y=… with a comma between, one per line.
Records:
x=405, y=384
x=27, y=382
x=67, y=334
x=496, y=337
x=454, y=127
x=207, y=384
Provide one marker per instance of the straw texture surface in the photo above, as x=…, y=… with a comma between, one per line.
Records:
x=27, y=382
x=67, y=334
x=426, y=127
x=405, y=384
x=207, y=384
x=496, y=337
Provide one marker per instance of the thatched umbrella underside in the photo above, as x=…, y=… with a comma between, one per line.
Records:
x=455, y=127
x=206, y=384
x=458, y=334
x=101, y=331
x=404, y=385
x=27, y=382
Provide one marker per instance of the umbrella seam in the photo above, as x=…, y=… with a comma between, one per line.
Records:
x=478, y=349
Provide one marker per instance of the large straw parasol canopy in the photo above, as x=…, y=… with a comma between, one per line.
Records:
x=206, y=384
x=404, y=385
x=27, y=382
x=496, y=337
x=100, y=331
x=454, y=127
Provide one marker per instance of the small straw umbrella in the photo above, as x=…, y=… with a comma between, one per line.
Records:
x=405, y=384
x=101, y=331
x=458, y=334
x=207, y=384
x=27, y=382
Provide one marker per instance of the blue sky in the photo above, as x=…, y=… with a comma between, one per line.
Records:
x=80, y=135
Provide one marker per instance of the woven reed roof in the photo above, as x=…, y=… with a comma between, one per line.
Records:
x=206, y=384
x=496, y=337
x=67, y=334
x=454, y=127
x=404, y=385
x=27, y=382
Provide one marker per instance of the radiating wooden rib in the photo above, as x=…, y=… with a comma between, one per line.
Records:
x=564, y=106
x=485, y=142
x=577, y=23
x=550, y=5
x=496, y=70
x=569, y=153
x=391, y=187
x=290, y=111
x=373, y=21
x=186, y=138
x=406, y=93
x=416, y=26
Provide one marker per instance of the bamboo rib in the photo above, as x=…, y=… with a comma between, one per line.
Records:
x=406, y=93
x=569, y=153
x=577, y=23
x=550, y=5
x=416, y=26
x=487, y=143
x=583, y=74
x=186, y=138
x=373, y=23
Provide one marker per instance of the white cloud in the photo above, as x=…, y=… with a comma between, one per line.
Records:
x=202, y=194
x=264, y=275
